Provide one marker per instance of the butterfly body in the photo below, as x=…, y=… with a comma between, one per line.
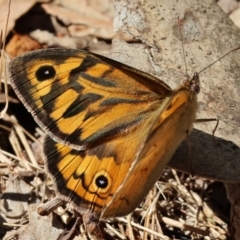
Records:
x=112, y=128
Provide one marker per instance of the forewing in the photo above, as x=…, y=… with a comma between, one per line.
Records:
x=80, y=98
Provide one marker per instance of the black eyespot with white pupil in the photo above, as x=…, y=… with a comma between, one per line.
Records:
x=101, y=181
x=45, y=73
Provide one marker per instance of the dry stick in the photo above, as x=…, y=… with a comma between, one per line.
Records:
x=184, y=226
x=121, y=228
x=113, y=230
x=10, y=119
x=130, y=230
x=5, y=33
x=5, y=128
x=17, y=150
x=13, y=120
x=201, y=197
x=10, y=155
x=145, y=229
x=25, y=144
x=147, y=218
x=45, y=208
x=152, y=211
x=3, y=64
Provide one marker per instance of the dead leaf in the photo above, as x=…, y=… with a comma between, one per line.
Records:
x=18, y=8
x=49, y=39
x=81, y=13
x=20, y=44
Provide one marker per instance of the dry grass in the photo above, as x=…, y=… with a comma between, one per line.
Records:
x=178, y=207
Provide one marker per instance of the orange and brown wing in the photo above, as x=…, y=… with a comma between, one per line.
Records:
x=90, y=178
x=112, y=177
x=80, y=98
x=169, y=127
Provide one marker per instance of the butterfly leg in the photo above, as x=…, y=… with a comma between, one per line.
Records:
x=209, y=120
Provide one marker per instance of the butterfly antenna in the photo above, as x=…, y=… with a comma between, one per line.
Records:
x=183, y=50
x=1, y=39
x=233, y=50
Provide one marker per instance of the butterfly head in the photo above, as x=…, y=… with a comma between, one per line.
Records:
x=193, y=84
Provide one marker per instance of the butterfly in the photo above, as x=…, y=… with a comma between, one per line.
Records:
x=111, y=129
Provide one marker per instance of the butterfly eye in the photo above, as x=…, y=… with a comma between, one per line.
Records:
x=194, y=83
x=195, y=88
x=45, y=73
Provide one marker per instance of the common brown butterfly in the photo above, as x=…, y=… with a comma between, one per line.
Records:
x=111, y=129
